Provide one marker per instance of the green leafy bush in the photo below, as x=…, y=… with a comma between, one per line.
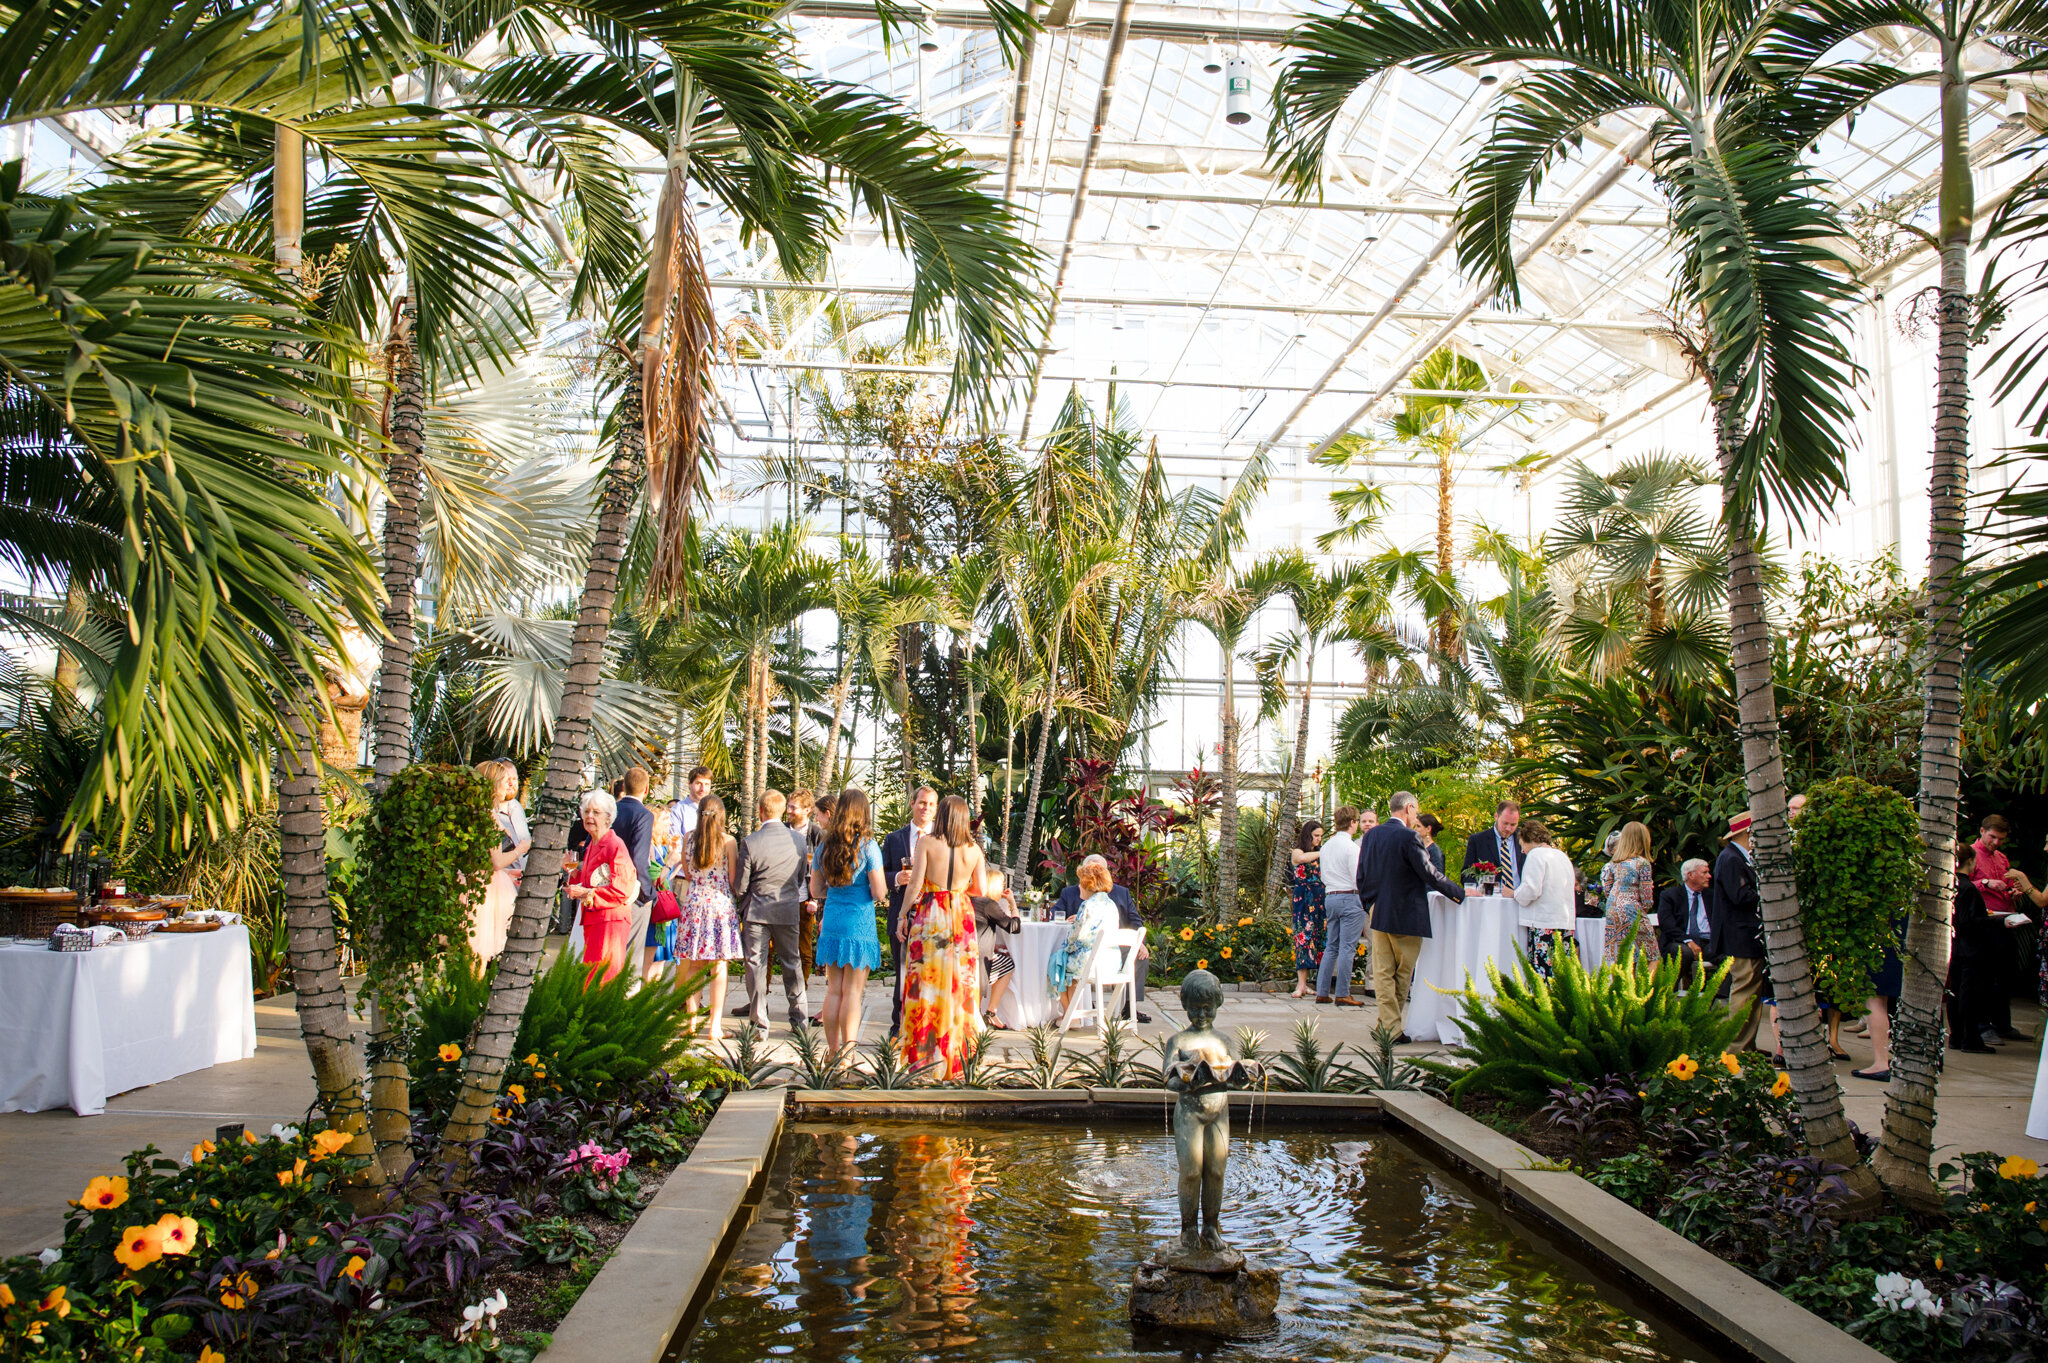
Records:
x=588, y=1041
x=1857, y=854
x=1535, y=1035
x=1240, y=948
x=423, y=858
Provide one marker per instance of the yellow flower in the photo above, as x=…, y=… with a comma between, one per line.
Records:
x=1244, y=922
x=235, y=1294
x=500, y=1116
x=201, y=1151
x=517, y=1091
x=55, y=1302
x=6, y=1295
x=1187, y=934
x=354, y=1267
x=35, y=1331
x=533, y=1058
x=209, y=1354
x=2018, y=1166
x=1731, y=1064
x=1361, y=948
x=180, y=1233
x=1783, y=1086
x=285, y=1177
x=450, y=1051
x=140, y=1247
x=331, y=1142
x=2029, y=1207
x=1937, y=1261
x=104, y=1194
x=1683, y=1068
x=1201, y=965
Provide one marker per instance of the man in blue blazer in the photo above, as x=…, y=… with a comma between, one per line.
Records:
x=1394, y=881
x=1497, y=844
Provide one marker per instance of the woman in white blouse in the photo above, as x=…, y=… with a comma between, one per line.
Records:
x=1545, y=893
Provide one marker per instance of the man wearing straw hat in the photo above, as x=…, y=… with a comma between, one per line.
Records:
x=1735, y=920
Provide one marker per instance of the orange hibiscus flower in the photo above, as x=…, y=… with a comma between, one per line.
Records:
x=180, y=1233
x=104, y=1194
x=140, y=1247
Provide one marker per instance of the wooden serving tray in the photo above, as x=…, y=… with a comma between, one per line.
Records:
x=125, y=915
x=181, y=925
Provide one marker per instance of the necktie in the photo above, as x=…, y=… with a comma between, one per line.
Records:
x=1507, y=862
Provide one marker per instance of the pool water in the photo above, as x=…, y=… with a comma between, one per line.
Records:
x=902, y=1240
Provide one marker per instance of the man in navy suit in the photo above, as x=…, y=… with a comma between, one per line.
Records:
x=635, y=827
x=897, y=850
x=1394, y=881
x=1497, y=845
x=1736, y=929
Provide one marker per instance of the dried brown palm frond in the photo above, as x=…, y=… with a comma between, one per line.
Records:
x=678, y=336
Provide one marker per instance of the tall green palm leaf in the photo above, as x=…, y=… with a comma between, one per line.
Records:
x=1752, y=228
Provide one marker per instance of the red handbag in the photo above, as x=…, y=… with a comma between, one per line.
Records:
x=666, y=908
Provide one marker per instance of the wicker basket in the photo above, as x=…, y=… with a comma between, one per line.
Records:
x=71, y=939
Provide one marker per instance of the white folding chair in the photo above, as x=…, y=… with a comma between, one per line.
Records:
x=1108, y=968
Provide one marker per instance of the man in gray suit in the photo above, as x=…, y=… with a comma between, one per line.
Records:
x=774, y=875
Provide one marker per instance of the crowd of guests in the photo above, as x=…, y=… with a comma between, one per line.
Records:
x=672, y=887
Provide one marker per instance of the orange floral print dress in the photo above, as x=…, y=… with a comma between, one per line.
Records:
x=941, y=982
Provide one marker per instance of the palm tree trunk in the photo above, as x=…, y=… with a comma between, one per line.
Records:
x=974, y=804
x=66, y=672
x=903, y=704
x=313, y=950
x=1009, y=789
x=747, y=791
x=1052, y=672
x=1226, y=814
x=1802, y=1035
x=1290, y=799
x=839, y=692
x=1446, y=635
x=402, y=475
x=555, y=801
x=1907, y=1146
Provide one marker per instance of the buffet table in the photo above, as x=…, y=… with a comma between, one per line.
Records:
x=1464, y=939
x=1026, y=1002
x=76, y=1027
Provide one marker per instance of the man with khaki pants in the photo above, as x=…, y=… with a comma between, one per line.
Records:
x=1394, y=881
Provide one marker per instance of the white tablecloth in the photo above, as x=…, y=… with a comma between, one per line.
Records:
x=1592, y=943
x=1464, y=937
x=2037, y=1112
x=1026, y=1002
x=78, y=1026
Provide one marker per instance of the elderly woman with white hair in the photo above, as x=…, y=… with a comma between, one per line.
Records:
x=1093, y=870
x=604, y=886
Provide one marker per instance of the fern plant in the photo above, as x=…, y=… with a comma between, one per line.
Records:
x=819, y=1066
x=1308, y=1068
x=1535, y=1035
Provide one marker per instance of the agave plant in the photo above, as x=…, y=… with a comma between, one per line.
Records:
x=1251, y=1043
x=744, y=1057
x=888, y=1068
x=975, y=1070
x=819, y=1066
x=1380, y=1070
x=1308, y=1068
x=1112, y=1067
x=1049, y=1066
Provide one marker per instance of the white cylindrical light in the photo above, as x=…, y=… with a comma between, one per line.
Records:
x=1237, y=88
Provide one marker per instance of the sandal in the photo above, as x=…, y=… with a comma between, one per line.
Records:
x=992, y=1022
x=1882, y=1076
x=1839, y=1055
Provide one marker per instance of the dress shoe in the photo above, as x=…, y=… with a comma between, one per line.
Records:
x=1974, y=1047
x=1322, y=998
x=1404, y=1040
x=1346, y=1001
x=2013, y=1034
x=739, y=1012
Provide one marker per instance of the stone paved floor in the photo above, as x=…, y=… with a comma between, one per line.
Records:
x=46, y=1157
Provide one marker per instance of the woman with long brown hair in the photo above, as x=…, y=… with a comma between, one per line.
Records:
x=708, y=932
x=941, y=969
x=846, y=876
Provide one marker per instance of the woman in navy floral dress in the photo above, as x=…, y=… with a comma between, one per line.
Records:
x=1307, y=855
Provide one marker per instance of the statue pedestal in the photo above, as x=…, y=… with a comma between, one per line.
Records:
x=1211, y=1292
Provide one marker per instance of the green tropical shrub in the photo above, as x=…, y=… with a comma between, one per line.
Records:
x=423, y=858
x=1857, y=852
x=1241, y=948
x=1535, y=1035
x=588, y=1041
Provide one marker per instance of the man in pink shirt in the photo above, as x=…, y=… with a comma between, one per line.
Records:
x=1989, y=877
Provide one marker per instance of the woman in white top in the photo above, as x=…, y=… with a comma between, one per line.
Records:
x=1545, y=892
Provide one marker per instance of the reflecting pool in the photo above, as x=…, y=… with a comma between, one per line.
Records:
x=901, y=1240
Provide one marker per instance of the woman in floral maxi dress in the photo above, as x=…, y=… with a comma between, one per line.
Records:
x=1631, y=898
x=941, y=985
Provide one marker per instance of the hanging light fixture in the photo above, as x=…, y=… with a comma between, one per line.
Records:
x=927, y=43
x=1237, y=89
x=1116, y=317
x=1488, y=78
x=2015, y=100
x=1212, y=60
x=1152, y=216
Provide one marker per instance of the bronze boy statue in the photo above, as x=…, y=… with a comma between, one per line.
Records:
x=1202, y=1066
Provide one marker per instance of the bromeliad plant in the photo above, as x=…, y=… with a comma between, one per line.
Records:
x=1534, y=1035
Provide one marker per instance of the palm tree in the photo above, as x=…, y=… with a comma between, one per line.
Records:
x=1224, y=601
x=1753, y=233
x=1638, y=572
x=2013, y=29
x=405, y=428
x=968, y=588
x=1319, y=597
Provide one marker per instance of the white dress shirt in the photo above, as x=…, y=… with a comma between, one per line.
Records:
x=1545, y=890
x=1340, y=864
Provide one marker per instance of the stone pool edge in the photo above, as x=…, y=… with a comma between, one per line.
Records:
x=638, y=1300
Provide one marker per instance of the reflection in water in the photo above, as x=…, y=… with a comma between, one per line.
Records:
x=995, y=1242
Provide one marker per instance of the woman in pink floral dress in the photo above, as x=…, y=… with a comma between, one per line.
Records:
x=1631, y=898
x=708, y=932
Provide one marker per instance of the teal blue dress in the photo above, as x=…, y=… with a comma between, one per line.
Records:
x=846, y=931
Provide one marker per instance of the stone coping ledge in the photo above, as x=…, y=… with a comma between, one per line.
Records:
x=1079, y=1104
x=638, y=1300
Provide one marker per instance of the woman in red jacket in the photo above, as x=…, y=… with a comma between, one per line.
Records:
x=605, y=885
